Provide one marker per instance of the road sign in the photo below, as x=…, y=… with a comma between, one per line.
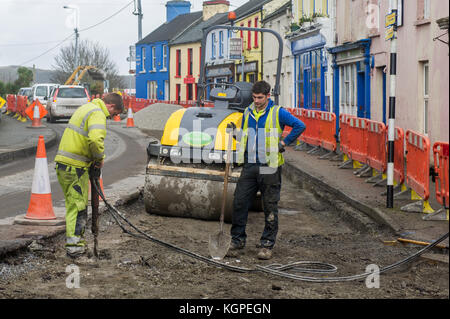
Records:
x=2, y=102
x=389, y=34
x=391, y=19
x=30, y=110
x=235, y=48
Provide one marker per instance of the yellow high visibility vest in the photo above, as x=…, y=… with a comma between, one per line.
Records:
x=273, y=133
x=83, y=139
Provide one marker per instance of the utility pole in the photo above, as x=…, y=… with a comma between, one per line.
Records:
x=391, y=22
x=140, y=15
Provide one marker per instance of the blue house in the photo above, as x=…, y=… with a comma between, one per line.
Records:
x=152, y=52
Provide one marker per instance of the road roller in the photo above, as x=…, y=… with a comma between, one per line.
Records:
x=185, y=169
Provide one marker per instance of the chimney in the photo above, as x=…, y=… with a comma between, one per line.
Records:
x=212, y=7
x=176, y=7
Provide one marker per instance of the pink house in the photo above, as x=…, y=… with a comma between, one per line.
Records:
x=422, y=93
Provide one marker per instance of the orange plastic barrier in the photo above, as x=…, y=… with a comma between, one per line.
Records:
x=344, y=142
x=357, y=139
x=11, y=103
x=418, y=163
x=376, y=145
x=399, y=155
x=288, y=129
x=441, y=167
x=312, y=123
x=21, y=105
x=327, y=131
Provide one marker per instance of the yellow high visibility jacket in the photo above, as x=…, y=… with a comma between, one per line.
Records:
x=83, y=140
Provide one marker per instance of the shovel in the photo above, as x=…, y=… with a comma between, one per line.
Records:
x=220, y=242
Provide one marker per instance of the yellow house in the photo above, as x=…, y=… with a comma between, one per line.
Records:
x=251, y=48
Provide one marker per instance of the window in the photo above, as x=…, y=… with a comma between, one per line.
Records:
x=143, y=58
x=74, y=93
x=189, y=61
x=426, y=96
x=164, y=57
x=152, y=88
x=221, y=44
x=249, y=36
x=154, y=59
x=423, y=9
x=213, y=46
x=189, y=92
x=178, y=92
x=348, y=89
x=256, y=44
x=178, y=65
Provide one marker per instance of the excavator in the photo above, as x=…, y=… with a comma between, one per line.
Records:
x=185, y=169
x=77, y=75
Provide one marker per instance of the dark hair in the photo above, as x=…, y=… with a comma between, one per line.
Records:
x=261, y=87
x=116, y=99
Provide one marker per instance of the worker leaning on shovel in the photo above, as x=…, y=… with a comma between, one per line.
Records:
x=260, y=152
x=82, y=145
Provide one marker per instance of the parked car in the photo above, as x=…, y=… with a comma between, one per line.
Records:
x=24, y=91
x=41, y=92
x=64, y=101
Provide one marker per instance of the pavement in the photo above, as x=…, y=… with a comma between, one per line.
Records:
x=322, y=176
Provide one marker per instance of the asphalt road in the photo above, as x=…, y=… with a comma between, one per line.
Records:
x=125, y=153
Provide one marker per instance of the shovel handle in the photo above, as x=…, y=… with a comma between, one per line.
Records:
x=225, y=179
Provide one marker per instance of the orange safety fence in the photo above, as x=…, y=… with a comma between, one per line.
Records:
x=11, y=103
x=312, y=123
x=327, y=130
x=357, y=139
x=21, y=105
x=376, y=145
x=441, y=167
x=344, y=142
x=399, y=155
x=418, y=163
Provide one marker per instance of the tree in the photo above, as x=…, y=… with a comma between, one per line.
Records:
x=24, y=80
x=89, y=53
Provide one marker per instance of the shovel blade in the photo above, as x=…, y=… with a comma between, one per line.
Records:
x=219, y=244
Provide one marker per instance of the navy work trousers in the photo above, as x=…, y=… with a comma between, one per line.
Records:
x=251, y=180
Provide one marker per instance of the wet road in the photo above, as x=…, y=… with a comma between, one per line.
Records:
x=125, y=153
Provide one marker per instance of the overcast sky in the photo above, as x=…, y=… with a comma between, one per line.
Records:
x=29, y=28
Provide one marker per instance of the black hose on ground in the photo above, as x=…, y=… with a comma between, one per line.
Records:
x=273, y=269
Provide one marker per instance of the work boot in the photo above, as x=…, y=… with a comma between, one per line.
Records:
x=234, y=249
x=265, y=253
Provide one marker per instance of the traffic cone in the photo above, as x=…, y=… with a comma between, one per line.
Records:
x=36, y=121
x=130, y=120
x=40, y=209
x=117, y=118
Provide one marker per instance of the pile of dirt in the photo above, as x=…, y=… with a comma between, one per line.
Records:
x=152, y=119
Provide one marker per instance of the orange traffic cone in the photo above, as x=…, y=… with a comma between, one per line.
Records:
x=40, y=209
x=116, y=118
x=130, y=120
x=40, y=206
x=36, y=121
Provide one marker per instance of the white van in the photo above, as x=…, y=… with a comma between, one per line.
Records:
x=41, y=92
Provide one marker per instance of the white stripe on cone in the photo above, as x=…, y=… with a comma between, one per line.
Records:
x=41, y=180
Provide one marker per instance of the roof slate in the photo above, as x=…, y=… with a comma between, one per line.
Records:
x=170, y=30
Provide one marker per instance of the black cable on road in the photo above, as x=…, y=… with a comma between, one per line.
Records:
x=273, y=269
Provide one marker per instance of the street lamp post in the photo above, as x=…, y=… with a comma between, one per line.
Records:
x=76, y=25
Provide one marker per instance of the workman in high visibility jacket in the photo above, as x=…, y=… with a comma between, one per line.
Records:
x=260, y=151
x=81, y=146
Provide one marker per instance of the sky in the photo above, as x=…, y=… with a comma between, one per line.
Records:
x=32, y=31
